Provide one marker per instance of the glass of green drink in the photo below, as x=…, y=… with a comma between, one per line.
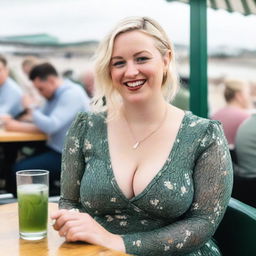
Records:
x=32, y=191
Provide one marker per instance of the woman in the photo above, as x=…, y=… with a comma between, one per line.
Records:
x=147, y=178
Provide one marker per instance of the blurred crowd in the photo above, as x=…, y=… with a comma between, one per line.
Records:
x=47, y=103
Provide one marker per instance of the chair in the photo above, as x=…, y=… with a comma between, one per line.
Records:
x=233, y=154
x=236, y=233
x=244, y=189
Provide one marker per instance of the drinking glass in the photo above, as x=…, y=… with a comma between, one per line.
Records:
x=32, y=191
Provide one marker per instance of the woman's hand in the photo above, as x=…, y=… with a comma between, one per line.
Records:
x=76, y=226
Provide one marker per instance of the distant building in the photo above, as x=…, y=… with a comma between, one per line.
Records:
x=44, y=44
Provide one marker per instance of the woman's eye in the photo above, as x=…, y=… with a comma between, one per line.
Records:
x=118, y=63
x=142, y=59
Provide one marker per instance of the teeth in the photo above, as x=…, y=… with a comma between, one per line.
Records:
x=134, y=84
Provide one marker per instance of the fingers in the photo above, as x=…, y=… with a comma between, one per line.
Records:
x=74, y=226
x=61, y=221
x=67, y=227
x=58, y=213
x=75, y=235
x=63, y=216
x=57, y=221
x=73, y=231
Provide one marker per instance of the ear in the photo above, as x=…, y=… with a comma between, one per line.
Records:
x=167, y=59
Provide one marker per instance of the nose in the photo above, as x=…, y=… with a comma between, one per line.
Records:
x=131, y=70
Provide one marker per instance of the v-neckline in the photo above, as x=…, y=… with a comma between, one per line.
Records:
x=158, y=174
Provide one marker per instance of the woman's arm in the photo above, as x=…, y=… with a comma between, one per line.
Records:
x=73, y=225
x=73, y=163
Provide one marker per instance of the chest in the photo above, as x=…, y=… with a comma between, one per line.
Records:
x=168, y=195
x=168, y=192
x=134, y=168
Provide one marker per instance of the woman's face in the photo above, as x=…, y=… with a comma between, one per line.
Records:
x=137, y=67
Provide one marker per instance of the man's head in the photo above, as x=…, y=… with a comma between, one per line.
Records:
x=28, y=63
x=238, y=92
x=4, y=72
x=45, y=78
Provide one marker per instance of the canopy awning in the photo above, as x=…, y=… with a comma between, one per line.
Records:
x=246, y=7
x=198, y=45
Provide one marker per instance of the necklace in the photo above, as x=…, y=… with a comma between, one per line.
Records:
x=138, y=142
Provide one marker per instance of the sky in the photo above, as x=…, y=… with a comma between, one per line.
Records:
x=79, y=20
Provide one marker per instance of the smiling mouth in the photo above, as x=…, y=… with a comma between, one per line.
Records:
x=134, y=85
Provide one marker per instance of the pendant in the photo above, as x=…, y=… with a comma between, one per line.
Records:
x=136, y=145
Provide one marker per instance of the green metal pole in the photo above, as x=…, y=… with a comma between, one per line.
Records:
x=198, y=58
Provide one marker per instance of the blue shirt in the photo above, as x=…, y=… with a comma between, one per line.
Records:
x=10, y=98
x=55, y=117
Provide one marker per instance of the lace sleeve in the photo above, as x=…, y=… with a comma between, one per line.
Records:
x=213, y=178
x=73, y=164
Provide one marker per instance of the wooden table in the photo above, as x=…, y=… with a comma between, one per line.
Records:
x=53, y=245
x=7, y=136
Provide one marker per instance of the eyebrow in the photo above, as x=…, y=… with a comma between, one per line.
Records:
x=136, y=54
x=116, y=57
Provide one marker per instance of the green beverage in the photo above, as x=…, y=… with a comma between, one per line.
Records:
x=33, y=210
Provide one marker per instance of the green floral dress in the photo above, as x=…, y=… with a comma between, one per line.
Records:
x=179, y=210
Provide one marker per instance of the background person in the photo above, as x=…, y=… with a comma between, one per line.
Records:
x=88, y=82
x=244, y=188
x=64, y=100
x=147, y=177
x=27, y=64
x=237, y=96
x=10, y=104
x=10, y=92
x=245, y=147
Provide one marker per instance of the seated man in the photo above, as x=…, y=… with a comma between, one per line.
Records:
x=64, y=100
x=10, y=92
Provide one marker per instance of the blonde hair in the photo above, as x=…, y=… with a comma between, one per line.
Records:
x=232, y=86
x=104, y=89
